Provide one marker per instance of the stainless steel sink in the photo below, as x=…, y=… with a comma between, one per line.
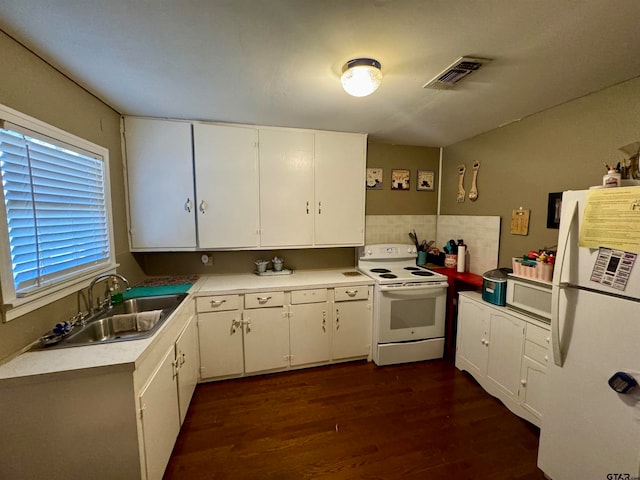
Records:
x=119, y=323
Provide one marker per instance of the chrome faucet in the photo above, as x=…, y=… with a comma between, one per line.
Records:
x=104, y=276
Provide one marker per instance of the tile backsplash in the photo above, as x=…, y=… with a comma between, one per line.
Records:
x=481, y=234
x=396, y=228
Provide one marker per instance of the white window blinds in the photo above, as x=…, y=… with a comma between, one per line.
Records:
x=56, y=213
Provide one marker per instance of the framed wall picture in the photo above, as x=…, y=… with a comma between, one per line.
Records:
x=374, y=178
x=400, y=179
x=553, y=210
x=425, y=181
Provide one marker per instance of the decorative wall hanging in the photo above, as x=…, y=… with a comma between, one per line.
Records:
x=461, y=193
x=520, y=221
x=473, y=192
x=374, y=178
x=400, y=179
x=425, y=180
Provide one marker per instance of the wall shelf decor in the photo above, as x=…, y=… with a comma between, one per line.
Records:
x=425, y=181
x=400, y=179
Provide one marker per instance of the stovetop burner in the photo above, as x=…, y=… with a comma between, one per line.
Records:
x=422, y=273
x=380, y=270
x=411, y=268
x=388, y=275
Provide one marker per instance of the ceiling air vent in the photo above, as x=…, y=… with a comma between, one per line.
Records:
x=456, y=72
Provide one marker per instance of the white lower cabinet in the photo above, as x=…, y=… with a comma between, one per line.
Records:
x=160, y=416
x=496, y=346
x=266, y=339
x=275, y=331
x=187, y=365
x=352, y=322
x=309, y=327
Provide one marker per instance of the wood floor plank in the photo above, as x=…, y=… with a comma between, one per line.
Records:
x=424, y=420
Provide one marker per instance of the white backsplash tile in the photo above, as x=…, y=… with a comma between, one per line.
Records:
x=396, y=228
x=481, y=234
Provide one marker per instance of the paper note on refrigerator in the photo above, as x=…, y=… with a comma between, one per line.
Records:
x=612, y=219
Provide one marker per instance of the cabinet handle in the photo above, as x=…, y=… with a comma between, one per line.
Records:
x=337, y=319
x=324, y=321
x=546, y=358
x=307, y=208
x=352, y=293
x=247, y=326
x=523, y=383
x=187, y=205
x=203, y=206
x=319, y=208
x=183, y=359
x=217, y=303
x=176, y=366
x=263, y=299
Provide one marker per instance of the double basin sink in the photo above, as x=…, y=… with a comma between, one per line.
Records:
x=133, y=319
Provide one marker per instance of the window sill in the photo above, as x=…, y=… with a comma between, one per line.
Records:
x=22, y=306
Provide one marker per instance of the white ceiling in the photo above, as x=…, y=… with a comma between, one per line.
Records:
x=277, y=62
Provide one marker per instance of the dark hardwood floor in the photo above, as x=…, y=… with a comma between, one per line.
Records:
x=423, y=420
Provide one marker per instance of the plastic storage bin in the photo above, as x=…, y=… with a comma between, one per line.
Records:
x=532, y=269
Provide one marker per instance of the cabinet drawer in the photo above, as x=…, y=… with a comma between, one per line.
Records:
x=266, y=299
x=218, y=303
x=315, y=295
x=359, y=292
x=538, y=335
x=535, y=352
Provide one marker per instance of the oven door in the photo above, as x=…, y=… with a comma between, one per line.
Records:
x=410, y=312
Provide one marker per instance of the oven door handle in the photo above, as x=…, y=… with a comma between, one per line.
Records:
x=413, y=288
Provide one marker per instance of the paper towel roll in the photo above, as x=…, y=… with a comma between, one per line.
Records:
x=462, y=257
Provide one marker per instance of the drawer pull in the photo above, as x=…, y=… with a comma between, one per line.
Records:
x=217, y=303
x=352, y=293
x=263, y=299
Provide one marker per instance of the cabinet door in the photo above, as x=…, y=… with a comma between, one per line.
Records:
x=340, y=171
x=266, y=339
x=159, y=166
x=160, y=417
x=351, y=329
x=227, y=189
x=472, y=341
x=286, y=188
x=506, y=342
x=188, y=365
x=220, y=335
x=309, y=327
x=532, y=380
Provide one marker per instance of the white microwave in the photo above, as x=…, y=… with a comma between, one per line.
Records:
x=530, y=297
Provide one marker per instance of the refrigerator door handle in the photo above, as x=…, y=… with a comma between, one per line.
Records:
x=555, y=325
x=563, y=243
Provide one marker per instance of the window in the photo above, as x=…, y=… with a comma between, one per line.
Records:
x=56, y=215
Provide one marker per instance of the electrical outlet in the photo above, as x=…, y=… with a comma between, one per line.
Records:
x=207, y=259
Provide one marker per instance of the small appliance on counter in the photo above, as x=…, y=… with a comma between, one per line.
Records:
x=494, y=286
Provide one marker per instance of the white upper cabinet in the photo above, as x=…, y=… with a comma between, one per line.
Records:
x=159, y=164
x=216, y=186
x=286, y=188
x=227, y=188
x=340, y=165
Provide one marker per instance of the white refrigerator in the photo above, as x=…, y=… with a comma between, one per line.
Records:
x=590, y=430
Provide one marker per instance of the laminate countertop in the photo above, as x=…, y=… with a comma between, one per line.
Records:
x=117, y=356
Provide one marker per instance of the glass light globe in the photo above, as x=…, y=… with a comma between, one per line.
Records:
x=361, y=77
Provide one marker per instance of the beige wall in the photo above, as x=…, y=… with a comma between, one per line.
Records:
x=402, y=202
x=563, y=148
x=31, y=86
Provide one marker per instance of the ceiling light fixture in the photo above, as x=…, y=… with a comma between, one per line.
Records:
x=361, y=76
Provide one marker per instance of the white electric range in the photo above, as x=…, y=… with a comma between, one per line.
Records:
x=409, y=304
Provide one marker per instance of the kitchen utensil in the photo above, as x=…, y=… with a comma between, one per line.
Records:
x=461, y=192
x=423, y=246
x=473, y=192
x=414, y=238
